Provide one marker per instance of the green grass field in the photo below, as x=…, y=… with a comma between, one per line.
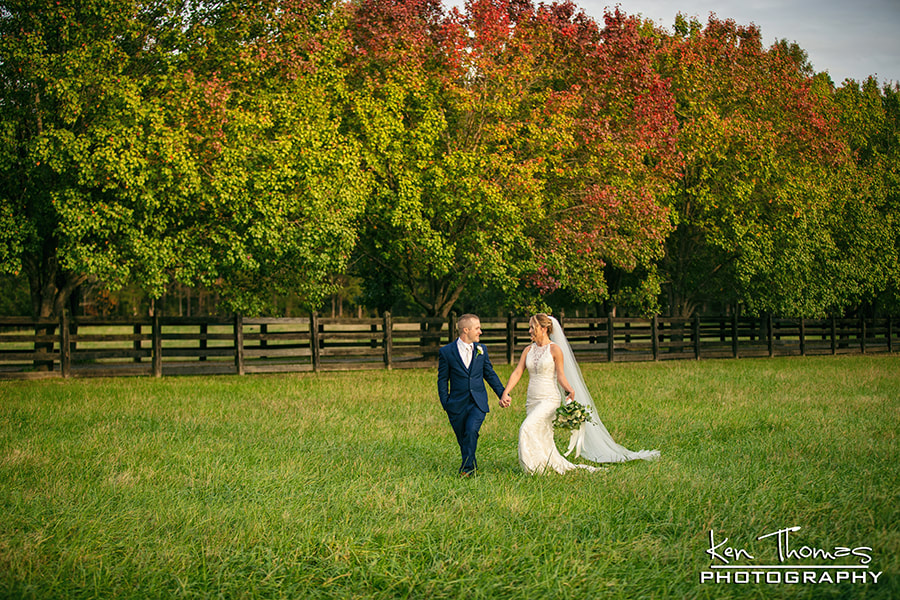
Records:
x=342, y=485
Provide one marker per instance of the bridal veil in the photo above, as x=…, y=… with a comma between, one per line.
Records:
x=597, y=445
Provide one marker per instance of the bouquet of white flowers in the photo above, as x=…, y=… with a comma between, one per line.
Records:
x=571, y=415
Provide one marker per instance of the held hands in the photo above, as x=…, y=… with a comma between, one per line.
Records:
x=505, y=400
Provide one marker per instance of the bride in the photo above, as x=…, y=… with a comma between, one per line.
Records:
x=552, y=365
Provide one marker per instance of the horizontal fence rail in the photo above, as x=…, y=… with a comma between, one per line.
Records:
x=157, y=346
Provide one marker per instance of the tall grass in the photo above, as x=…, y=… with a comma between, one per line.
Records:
x=343, y=485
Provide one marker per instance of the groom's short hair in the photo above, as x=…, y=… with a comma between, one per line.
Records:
x=465, y=321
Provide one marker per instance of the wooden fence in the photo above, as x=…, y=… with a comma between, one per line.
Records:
x=157, y=346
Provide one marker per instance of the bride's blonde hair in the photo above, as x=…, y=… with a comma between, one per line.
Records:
x=544, y=321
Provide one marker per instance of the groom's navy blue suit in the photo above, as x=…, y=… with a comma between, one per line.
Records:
x=464, y=396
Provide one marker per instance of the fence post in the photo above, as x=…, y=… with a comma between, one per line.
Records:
x=263, y=337
x=156, y=343
x=802, y=336
x=654, y=332
x=204, y=332
x=770, y=334
x=65, y=351
x=862, y=334
x=137, y=343
x=833, y=334
x=890, y=325
x=734, y=334
x=696, y=332
x=451, y=323
x=314, y=339
x=388, y=333
x=239, y=343
x=510, y=338
x=610, y=338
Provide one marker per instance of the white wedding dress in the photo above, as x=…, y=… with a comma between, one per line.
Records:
x=537, y=448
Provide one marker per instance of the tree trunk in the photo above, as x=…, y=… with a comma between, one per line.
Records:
x=51, y=288
x=439, y=305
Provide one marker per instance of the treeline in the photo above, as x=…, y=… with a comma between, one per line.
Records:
x=275, y=153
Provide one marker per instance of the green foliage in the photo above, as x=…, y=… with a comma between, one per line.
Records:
x=441, y=215
x=512, y=151
x=868, y=207
x=67, y=103
x=513, y=146
x=151, y=143
x=281, y=184
x=763, y=162
x=14, y=298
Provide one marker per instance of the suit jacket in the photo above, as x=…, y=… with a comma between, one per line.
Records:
x=458, y=385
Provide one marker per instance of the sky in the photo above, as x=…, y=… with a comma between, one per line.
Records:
x=846, y=39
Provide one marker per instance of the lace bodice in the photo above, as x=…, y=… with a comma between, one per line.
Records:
x=541, y=373
x=536, y=363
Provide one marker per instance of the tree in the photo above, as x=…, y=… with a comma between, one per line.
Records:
x=503, y=149
x=868, y=212
x=153, y=142
x=610, y=225
x=70, y=113
x=761, y=151
x=281, y=185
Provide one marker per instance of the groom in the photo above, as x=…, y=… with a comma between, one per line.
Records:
x=463, y=367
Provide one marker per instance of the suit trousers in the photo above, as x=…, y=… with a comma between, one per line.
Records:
x=466, y=423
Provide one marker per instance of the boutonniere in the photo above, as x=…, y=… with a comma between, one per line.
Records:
x=479, y=350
